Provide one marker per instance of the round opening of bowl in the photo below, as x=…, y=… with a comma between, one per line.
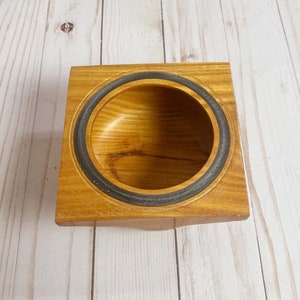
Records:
x=150, y=137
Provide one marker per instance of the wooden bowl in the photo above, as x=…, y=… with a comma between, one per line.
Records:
x=148, y=141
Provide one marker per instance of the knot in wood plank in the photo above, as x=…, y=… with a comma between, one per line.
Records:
x=67, y=27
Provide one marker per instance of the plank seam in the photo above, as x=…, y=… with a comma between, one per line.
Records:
x=94, y=229
x=175, y=231
x=162, y=30
x=177, y=264
x=93, y=263
x=101, y=33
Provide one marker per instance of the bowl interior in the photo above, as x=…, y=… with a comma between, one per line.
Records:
x=150, y=137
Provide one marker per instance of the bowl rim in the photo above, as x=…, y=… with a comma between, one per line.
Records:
x=142, y=199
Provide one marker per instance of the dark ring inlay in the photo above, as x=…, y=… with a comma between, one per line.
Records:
x=121, y=194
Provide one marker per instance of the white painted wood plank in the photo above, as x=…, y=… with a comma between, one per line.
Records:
x=55, y=262
x=193, y=31
x=22, y=33
x=289, y=11
x=216, y=261
x=265, y=81
x=132, y=32
x=134, y=262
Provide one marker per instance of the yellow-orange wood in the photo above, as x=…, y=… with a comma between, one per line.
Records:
x=151, y=136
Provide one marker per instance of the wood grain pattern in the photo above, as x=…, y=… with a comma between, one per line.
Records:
x=134, y=262
x=137, y=36
x=212, y=276
x=268, y=86
x=289, y=12
x=150, y=136
x=134, y=259
x=20, y=60
x=37, y=272
x=225, y=197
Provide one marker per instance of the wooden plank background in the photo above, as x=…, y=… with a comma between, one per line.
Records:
x=254, y=259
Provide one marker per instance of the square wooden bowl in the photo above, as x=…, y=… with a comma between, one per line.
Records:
x=151, y=141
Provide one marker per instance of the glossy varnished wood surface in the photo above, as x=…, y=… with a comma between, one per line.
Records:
x=151, y=137
x=150, y=128
x=254, y=259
